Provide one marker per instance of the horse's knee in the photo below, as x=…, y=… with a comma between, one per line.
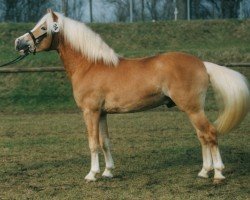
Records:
x=93, y=146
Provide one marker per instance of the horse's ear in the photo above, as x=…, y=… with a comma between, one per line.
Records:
x=53, y=14
x=49, y=10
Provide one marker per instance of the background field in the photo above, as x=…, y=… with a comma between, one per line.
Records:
x=43, y=149
x=156, y=153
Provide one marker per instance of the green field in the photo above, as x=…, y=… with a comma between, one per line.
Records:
x=47, y=157
x=43, y=146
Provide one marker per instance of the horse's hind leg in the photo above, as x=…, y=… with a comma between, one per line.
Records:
x=206, y=155
x=208, y=138
x=105, y=146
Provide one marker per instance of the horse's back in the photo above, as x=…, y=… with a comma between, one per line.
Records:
x=173, y=69
x=173, y=62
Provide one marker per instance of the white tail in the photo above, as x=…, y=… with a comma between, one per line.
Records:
x=232, y=92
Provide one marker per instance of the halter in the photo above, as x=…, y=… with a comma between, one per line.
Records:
x=41, y=37
x=37, y=40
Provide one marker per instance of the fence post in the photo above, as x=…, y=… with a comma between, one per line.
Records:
x=241, y=16
x=131, y=11
x=188, y=10
x=175, y=11
x=91, y=10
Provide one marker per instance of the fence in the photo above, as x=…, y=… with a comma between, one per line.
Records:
x=125, y=10
x=61, y=69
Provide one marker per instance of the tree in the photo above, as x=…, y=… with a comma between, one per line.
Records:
x=142, y=10
x=76, y=8
x=152, y=7
x=24, y=10
x=182, y=9
x=210, y=9
x=91, y=10
x=196, y=6
x=245, y=9
x=65, y=7
x=230, y=8
x=121, y=9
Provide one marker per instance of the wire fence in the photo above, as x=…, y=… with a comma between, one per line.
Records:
x=125, y=10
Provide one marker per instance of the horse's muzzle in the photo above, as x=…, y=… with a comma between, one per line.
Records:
x=22, y=46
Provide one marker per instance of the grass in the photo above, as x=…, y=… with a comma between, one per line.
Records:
x=39, y=92
x=46, y=157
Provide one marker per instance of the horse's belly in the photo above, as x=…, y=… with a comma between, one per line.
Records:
x=117, y=105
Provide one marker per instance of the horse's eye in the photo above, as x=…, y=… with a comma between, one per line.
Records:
x=43, y=28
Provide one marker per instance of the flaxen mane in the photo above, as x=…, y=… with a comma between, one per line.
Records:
x=84, y=40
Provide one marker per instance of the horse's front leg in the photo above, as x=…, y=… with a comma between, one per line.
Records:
x=92, y=122
x=105, y=145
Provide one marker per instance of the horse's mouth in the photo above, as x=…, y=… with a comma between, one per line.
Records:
x=21, y=52
x=26, y=50
x=23, y=47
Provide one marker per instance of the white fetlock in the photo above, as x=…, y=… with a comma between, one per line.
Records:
x=203, y=173
x=90, y=176
x=107, y=173
x=218, y=175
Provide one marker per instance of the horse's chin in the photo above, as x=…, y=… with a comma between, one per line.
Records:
x=26, y=51
x=21, y=52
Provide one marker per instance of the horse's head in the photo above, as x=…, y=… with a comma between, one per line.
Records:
x=41, y=37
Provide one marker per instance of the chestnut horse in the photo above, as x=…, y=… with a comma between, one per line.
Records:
x=105, y=83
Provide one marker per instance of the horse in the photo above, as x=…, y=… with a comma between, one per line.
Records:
x=105, y=83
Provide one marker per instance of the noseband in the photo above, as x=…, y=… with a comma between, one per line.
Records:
x=37, y=40
x=40, y=38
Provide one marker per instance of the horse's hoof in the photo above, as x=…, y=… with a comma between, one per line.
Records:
x=203, y=174
x=107, y=174
x=90, y=177
x=90, y=180
x=218, y=181
x=221, y=177
x=218, y=175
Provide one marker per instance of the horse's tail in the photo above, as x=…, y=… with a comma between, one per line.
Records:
x=232, y=93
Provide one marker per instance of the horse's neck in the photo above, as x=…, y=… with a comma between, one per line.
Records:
x=71, y=59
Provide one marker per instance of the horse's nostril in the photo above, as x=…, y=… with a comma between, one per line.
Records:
x=21, y=45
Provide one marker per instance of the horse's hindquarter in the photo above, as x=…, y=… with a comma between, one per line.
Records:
x=135, y=84
x=186, y=79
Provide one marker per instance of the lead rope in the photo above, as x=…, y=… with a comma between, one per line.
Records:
x=15, y=60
